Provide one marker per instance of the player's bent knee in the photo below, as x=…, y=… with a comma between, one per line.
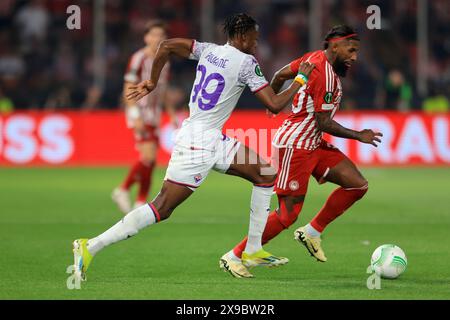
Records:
x=362, y=183
x=359, y=192
x=363, y=190
x=348, y=178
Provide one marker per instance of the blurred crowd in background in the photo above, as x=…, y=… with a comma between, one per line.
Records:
x=43, y=65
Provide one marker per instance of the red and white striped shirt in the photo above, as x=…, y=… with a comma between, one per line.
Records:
x=139, y=69
x=322, y=93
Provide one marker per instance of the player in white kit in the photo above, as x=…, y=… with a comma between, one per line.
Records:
x=223, y=71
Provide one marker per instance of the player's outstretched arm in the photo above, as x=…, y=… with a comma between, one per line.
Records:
x=178, y=46
x=281, y=76
x=328, y=125
x=276, y=102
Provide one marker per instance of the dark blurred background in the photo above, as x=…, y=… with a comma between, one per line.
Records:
x=43, y=65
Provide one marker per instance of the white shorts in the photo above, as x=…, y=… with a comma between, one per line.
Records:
x=189, y=166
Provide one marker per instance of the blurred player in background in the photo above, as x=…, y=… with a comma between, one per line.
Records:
x=301, y=151
x=222, y=73
x=143, y=117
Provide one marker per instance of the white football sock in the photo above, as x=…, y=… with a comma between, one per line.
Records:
x=311, y=231
x=134, y=221
x=259, y=211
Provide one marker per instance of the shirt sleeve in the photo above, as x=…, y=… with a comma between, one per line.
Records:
x=198, y=48
x=295, y=65
x=321, y=89
x=251, y=75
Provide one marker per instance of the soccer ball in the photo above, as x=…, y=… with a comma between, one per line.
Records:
x=388, y=261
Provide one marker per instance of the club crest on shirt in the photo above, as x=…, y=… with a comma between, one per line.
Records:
x=293, y=185
x=198, y=177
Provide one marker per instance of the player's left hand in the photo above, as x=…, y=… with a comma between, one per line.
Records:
x=370, y=137
x=140, y=90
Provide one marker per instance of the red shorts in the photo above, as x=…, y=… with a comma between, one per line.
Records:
x=150, y=134
x=295, y=166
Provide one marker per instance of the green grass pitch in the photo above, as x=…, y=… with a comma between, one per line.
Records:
x=43, y=209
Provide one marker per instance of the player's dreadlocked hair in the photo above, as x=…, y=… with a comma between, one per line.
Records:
x=238, y=24
x=338, y=32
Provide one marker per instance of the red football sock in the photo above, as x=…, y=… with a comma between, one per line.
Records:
x=339, y=200
x=145, y=181
x=275, y=224
x=133, y=175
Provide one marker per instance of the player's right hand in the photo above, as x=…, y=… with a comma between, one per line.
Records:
x=140, y=90
x=370, y=137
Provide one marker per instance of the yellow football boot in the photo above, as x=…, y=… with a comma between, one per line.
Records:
x=82, y=258
x=262, y=258
x=312, y=244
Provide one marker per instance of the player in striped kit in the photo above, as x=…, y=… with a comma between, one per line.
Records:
x=143, y=117
x=301, y=150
